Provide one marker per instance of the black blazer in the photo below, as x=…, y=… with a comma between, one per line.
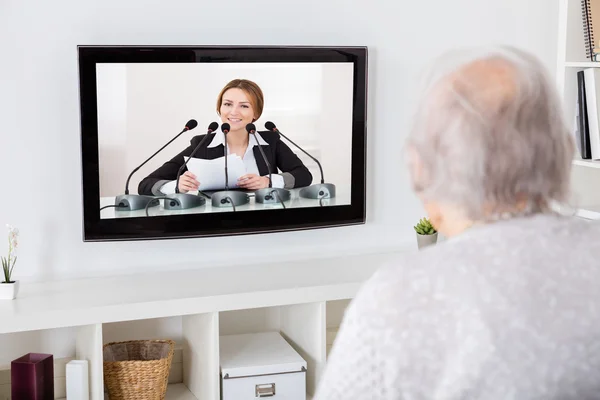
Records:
x=279, y=155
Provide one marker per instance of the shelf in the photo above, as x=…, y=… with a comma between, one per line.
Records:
x=587, y=163
x=304, y=300
x=179, y=391
x=589, y=213
x=85, y=302
x=583, y=64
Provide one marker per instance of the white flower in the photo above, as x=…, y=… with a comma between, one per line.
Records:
x=8, y=263
x=13, y=238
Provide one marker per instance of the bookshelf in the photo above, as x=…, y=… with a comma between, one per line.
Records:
x=583, y=64
x=587, y=163
x=304, y=300
x=572, y=58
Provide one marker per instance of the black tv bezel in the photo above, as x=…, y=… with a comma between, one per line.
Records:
x=226, y=222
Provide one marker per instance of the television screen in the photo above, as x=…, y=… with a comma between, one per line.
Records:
x=205, y=141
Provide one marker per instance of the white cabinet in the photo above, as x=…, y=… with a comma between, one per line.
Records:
x=301, y=301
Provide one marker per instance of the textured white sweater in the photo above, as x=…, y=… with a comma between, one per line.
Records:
x=509, y=310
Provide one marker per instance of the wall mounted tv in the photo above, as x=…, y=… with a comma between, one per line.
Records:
x=195, y=141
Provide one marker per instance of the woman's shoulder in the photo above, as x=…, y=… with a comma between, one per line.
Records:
x=194, y=141
x=515, y=247
x=270, y=137
x=397, y=288
x=417, y=272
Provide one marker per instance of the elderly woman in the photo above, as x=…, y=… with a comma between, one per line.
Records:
x=509, y=306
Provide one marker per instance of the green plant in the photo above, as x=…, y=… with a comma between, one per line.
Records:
x=8, y=263
x=424, y=227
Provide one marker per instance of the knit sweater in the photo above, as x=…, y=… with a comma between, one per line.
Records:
x=508, y=310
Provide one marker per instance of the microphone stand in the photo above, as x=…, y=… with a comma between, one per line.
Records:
x=270, y=194
x=316, y=191
x=228, y=198
x=131, y=202
x=183, y=201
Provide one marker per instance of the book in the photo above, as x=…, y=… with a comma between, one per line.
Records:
x=588, y=30
x=576, y=129
x=590, y=12
x=582, y=131
x=592, y=99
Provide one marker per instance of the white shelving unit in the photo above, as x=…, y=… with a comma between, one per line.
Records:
x=587, y=163
x=572, y=59
x=303, y=300
x=584, y=64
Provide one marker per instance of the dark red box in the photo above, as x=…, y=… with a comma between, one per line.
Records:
x=32, y=377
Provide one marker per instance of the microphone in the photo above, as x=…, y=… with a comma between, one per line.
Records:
x=182, y=201
x=226, y=198
x=225, y=128
x=267, y=195
x=130, y=202
x=317, y=191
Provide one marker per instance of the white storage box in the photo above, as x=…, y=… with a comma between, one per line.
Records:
x=259, y=365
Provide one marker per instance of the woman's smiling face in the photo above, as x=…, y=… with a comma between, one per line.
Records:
x=236, y=109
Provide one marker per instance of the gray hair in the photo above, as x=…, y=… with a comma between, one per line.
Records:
x=490, y=134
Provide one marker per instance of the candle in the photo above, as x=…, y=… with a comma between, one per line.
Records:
x=32, y=377
x=77, y=380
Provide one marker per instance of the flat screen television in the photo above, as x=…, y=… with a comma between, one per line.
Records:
x=196, y=141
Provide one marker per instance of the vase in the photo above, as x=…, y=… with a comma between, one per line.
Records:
x=32, y=377
x=9, y=291
x=77, y=380
x=426, y=240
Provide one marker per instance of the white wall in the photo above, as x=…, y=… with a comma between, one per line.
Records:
x=39, y=110
x=142, y=106
x=112, y=127
x=39, y=125
x=58, y=342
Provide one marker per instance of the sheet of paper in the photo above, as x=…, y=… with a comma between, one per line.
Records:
x=211, y=173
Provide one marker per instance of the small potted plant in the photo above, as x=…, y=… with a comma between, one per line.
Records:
x=8, y=287
x=426, y=233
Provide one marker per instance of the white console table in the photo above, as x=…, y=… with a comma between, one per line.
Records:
x=297, y=292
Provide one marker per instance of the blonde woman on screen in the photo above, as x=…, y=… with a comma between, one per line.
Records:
x=508, y=307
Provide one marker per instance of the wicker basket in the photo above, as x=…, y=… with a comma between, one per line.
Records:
x=137, y=369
